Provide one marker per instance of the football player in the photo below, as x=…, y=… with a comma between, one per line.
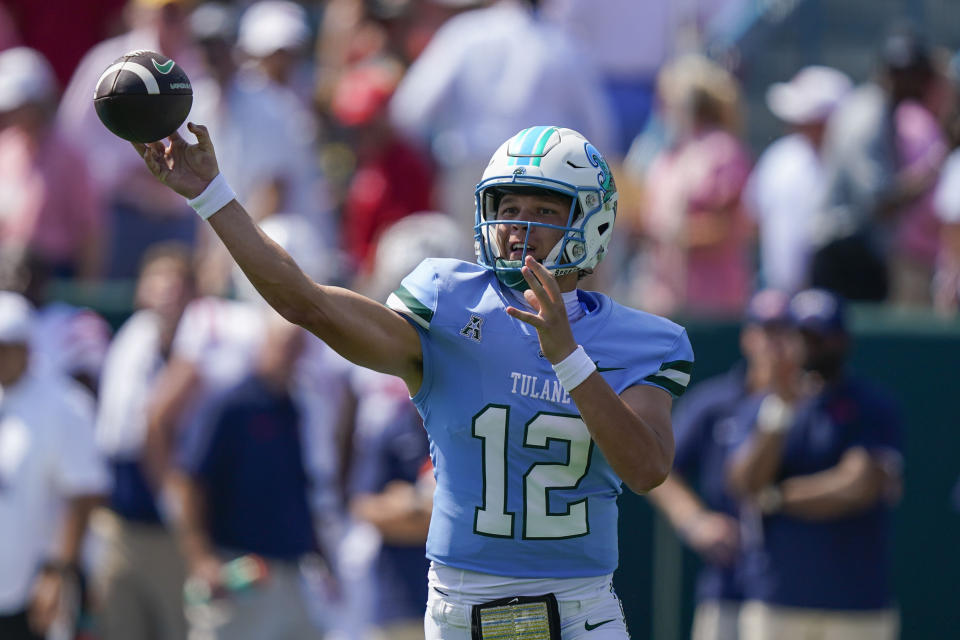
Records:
x=540, y=399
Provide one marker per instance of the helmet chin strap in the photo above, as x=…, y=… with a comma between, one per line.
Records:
x=508, y=271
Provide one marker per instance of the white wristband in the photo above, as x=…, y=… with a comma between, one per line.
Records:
x=774, y=415
x=215, y=197
x=770, y=499
x=574, y=369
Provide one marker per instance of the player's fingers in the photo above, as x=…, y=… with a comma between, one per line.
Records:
x=534, y=283
x=176, y=138
x=532, y=300
x=152, y=156
x=546, y=279
x=532, y=319
x=203, y=136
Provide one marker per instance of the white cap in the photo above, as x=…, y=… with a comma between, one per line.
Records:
x=25, y=76
x=16, y=315
x=810, y=96
x=270, y=25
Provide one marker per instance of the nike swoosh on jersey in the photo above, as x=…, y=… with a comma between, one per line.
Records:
x=591, y=627
x=602, y=369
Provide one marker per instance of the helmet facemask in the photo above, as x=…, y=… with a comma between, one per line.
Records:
x=509, y=271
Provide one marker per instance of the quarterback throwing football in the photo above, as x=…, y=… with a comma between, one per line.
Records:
x=540, y=399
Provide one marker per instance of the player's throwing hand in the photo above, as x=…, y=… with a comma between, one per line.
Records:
x=550, y=321
x=186, y=168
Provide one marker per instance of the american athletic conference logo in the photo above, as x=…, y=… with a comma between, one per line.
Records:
x=472, y=328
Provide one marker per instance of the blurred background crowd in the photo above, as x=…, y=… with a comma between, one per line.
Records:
x=753, y=146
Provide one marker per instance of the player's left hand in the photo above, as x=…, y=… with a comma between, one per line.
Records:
x=550, y=317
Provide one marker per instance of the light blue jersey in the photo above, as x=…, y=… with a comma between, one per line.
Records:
x=522, y=490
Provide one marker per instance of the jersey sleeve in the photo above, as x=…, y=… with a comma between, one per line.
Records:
x=416, y=297
x=673, y=376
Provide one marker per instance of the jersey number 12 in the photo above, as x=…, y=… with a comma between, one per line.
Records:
x=492, y=517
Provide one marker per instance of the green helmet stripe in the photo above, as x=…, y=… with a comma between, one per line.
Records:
x=530, y=144
x=541, y=144
x=520, y=140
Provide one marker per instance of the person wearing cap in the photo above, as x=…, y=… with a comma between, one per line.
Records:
x=694, y=497
x=276, y=37
x=781, y=193
x=51, y=476
x=135, y=212
x=267, y=135
x=818, y=476
x=867, y=187
x=49, y=204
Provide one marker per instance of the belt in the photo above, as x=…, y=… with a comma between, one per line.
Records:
x=458, y=614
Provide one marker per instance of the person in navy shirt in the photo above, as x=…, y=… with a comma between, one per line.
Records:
x=244, y=489
x=390, y=449
x=818, y=475
x=694, y=497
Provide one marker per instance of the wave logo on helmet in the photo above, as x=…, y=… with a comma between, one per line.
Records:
x=605, y=177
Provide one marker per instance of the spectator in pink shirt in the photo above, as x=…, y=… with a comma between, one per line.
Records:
x=694, y=223
x=922, y=148
x=48, y=203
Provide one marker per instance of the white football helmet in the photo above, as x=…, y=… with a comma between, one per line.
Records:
x=560, y=160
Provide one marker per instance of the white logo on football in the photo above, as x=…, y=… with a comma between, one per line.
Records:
x=142, y=72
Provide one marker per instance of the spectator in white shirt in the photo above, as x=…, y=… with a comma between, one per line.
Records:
x=785, y=187
x=50, y=478
x=140, y=581
x=486, y=74
x=267, y=134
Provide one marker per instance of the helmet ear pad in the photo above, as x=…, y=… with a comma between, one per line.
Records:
x=597, y=232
